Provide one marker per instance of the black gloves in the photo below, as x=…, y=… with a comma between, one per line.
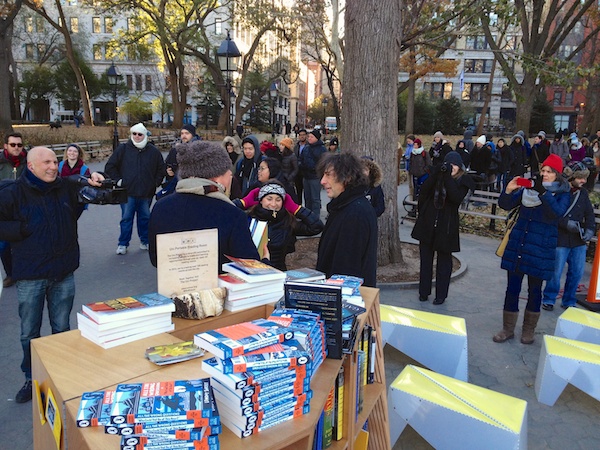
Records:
x=573, y=226
x=587, y=235
x=537, y=185
x=446, y=167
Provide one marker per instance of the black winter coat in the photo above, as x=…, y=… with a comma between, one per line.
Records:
x=283, y=232
x=582, y=212
x=40, y=221
x=309, y=158
x=142, y=170
x=439, y=227
x=348, y=245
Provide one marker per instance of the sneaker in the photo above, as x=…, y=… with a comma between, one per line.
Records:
x=548, y=306
x=24, y=394
x=8, y=282
x=121, y=250
x=143, y=246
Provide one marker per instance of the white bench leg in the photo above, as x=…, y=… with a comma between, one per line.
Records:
x=548, y=384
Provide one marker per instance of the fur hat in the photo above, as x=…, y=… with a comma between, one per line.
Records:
x=481, y=139
x=233, y=141
x=554, y=161
x=375, y=172
x=576, y=169
x=438, y=134
x=455, y=159
x=271, y=188
x=287, y=142
x=202, y=159
x=316, y=133
x=189, y=127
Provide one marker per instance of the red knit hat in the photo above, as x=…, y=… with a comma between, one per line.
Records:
x=555, y=162
x=417, y=143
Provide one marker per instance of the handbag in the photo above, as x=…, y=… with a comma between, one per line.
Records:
x=511, y=219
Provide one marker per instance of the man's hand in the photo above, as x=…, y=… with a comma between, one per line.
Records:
x=95, y=179
x=588, y=235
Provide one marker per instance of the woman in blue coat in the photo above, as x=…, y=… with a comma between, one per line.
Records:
x=532, y=241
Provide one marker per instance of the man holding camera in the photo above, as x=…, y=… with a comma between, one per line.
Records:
x=137, y=166
x=38, y=215
x=576, y=228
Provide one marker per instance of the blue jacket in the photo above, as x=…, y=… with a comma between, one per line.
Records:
x=309, y=158
x=40, y=221
x=533, y=239
x=142, y=170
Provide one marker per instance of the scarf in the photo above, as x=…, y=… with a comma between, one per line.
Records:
x=418, y=151
x=15, y=160
x=247, y=166
x=40, y=184
x=531, y=198
x=202, y=186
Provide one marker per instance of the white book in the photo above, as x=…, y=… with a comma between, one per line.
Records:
x=130, y=338
x=276, y=288
x=82, y=317
x=251, y=302
x=270, y=275
x=125, y=330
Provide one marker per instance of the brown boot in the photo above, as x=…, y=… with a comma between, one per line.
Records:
x=529, y=323
x=509, y=321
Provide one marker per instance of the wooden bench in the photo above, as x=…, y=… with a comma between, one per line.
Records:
x=90, y=148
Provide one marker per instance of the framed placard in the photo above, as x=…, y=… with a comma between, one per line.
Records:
x=187, y=261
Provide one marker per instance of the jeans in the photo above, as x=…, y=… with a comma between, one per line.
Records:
x=141, y=206
x=513, y=289
x=575, y=258
x=312, y=195
x=442, y=274
x=31, y=295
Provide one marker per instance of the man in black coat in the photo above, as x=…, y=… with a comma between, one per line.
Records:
x=348, y=245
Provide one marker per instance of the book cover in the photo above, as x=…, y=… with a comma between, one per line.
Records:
x=127, y=307
x=339, y=405
x=53, y=417
x=234, y=284
x=173, y=353
x=324, y=299
x=328, y=419
x=273, y=360
x=350, y=285
x=260, y=234
x=168, y=443
x=253, y=267
x=304, y=274
x=242, y=338
x=273, y=275
x=40, y=401
x=90, y=408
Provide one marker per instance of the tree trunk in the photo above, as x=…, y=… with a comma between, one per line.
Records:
x=5, y=76
x=488, y=99
x=525, y=94
x=370, y=112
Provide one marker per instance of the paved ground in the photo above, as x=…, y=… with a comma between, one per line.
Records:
x=509, y=368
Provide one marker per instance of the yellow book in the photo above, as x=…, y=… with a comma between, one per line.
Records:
x=362, y=440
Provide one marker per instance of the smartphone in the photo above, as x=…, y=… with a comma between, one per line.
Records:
x=524, y=182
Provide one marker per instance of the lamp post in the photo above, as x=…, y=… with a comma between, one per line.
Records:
x=228, y=55
x=325, y=103
x=114, y=77
x=273, y=95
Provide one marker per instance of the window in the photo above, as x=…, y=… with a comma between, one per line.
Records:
x=130, y=82
x=29, y=51
x=29, y=24
x=569, y=99
x=108, y=25
x=74, y=25
x=96, y=27
x=476, y=43
x=557, y=98
x=41, y=49
x=474, y=91
x=97, y=50
x=72, y=2
x=561, y=122
x=218, y=26
x=138, y=82
x=148, y=86
x=478, y=65
x=438, y=90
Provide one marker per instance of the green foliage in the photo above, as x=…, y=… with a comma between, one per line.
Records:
x=317, y=111
x=137, y=109
x=66, y=84
x=449, y=116
x=425, y=114
x=542, y=115
x=38, y=83
x=402, y=100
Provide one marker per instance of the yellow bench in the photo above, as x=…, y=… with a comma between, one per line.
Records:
x=452, y=414
x=565, y=361
x=435, y=340
x=579, y=324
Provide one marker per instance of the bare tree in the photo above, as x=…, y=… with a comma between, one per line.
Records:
x=370, y=113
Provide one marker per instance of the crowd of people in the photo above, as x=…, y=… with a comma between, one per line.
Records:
x=199, y=185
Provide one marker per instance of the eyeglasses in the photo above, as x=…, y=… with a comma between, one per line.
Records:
x=260, y=169
x=12, y=144
x=137, y=134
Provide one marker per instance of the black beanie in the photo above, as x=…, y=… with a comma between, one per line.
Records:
x=189, y=127
x=316, y=133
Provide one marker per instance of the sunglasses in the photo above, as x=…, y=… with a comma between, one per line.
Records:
x=12, y=144
x=137, y=134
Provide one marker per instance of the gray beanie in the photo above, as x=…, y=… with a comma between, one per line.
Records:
x=438, y=134
x=202, y=159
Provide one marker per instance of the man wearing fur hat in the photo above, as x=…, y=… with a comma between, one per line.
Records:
x=575, y=228
x=200, y=202
x=138, y=166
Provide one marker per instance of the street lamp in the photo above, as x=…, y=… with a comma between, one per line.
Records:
x=273, y=95
x=228, y=55
x=114, y=77
x=325, y=103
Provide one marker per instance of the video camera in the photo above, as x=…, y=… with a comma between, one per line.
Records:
x=107, y=194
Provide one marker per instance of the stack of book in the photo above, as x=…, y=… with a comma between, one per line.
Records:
x=157, y=415
x=115, y=322
x=250, y=283
x=261, y=373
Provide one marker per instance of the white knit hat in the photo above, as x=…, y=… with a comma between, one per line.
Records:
x=481, y=139
x=139, y=128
